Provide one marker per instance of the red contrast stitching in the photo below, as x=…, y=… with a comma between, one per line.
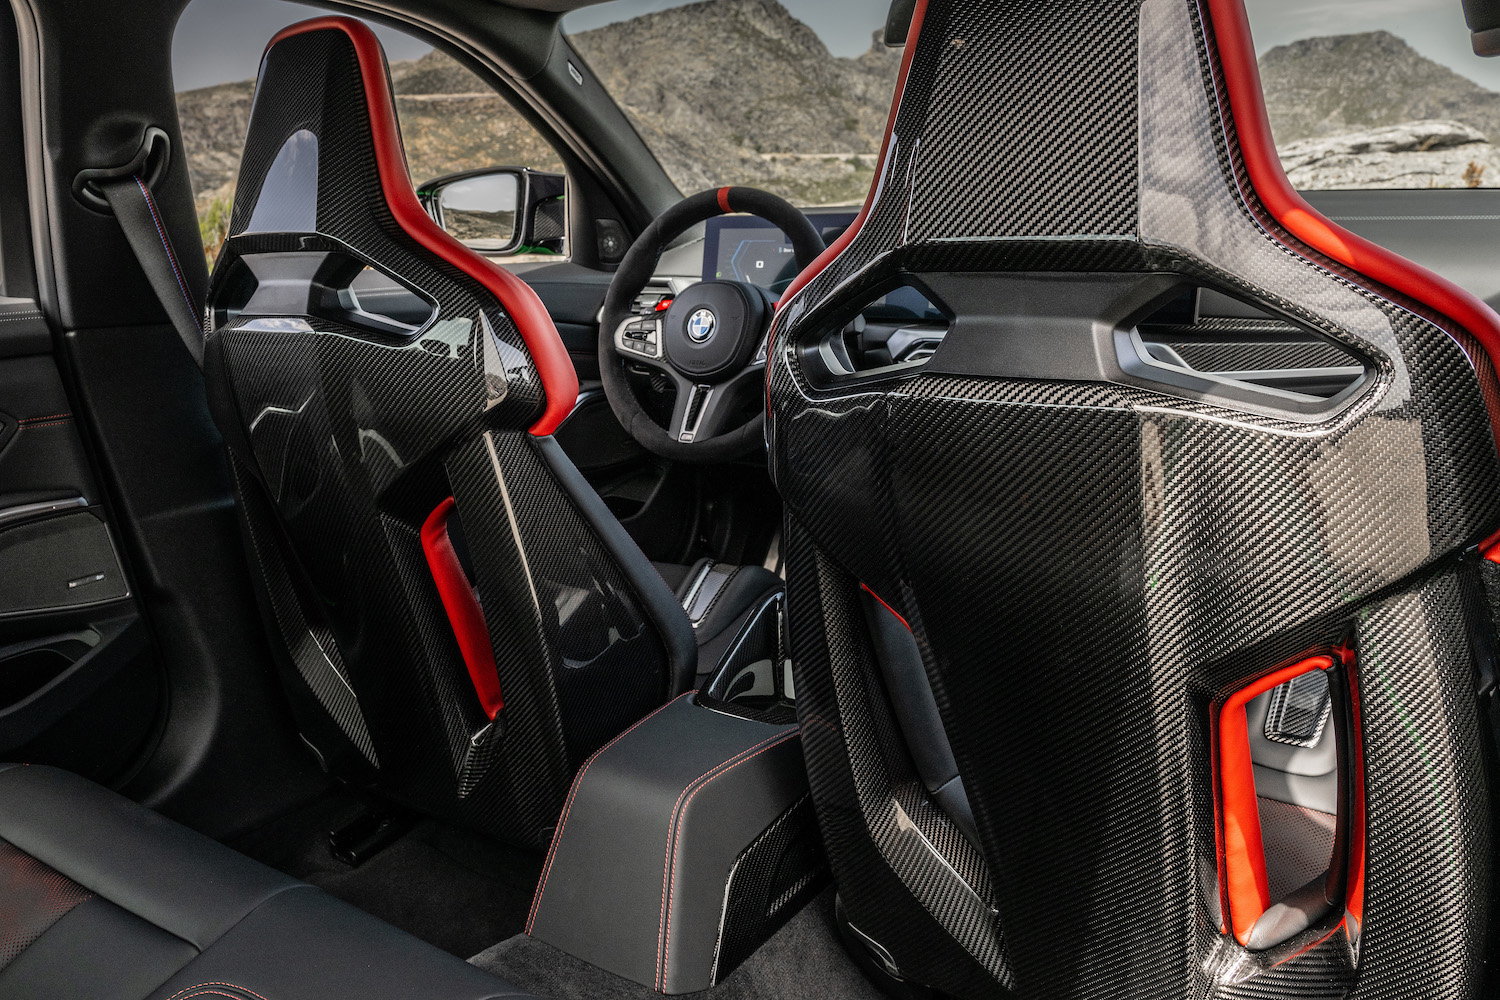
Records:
x=204, y=989
x=50, y=416
x=51, y=423
x=674, y=827
x=568, y=807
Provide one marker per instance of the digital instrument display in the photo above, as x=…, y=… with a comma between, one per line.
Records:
x=748, y=248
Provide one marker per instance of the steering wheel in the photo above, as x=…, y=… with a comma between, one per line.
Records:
x=711, y=342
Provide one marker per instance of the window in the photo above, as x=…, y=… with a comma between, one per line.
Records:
x=1377, y=94
x=450, y=119
x=790, y=98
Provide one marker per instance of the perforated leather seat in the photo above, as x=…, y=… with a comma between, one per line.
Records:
x=103, y=899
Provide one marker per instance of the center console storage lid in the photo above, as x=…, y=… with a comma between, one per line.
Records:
x=640, y=878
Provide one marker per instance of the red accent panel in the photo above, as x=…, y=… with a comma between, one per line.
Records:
x=1356, y=885
x=892, y=610
x=1248, y=109
x=838, y=245
x=1491, y=547
x=559, y=380
x=1242, y=855
x=724, y=200
x=462, y=605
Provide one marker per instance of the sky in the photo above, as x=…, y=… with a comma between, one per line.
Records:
x=221, y=40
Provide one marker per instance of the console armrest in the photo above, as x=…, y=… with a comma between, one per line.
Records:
x=683, y=844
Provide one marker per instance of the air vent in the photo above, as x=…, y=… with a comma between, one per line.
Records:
x=899, y=329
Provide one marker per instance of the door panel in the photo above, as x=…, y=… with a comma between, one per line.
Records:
x=79, y=684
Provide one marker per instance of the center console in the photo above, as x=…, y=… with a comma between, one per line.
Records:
x=690, y=838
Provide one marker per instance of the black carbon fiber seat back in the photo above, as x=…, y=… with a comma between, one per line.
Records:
x=1090, y=560
x=351, y=419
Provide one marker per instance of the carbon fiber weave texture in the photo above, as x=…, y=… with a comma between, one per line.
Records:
x=1088, y=566
x=353, y=436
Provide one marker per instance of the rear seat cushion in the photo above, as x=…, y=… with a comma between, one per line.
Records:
x=100, y=897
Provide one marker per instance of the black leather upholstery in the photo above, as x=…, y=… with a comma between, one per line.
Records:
x=152, y=909
x=916, y=713
x=638, y=878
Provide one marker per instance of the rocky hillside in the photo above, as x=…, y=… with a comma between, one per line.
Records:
x=1367, y=110
x=449, y=121
x=750, y=94
x=1349, y=83
x=1421, y=154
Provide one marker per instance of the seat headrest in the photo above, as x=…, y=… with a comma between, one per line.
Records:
x=1003, y=153
x=323, y=156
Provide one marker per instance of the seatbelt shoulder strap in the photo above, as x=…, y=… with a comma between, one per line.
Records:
x=135, y=208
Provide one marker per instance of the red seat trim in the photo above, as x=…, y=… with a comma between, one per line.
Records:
x=881, y=601
x=464, y=611
x=554, y=368
x=1242, y=853
x=1231, y=28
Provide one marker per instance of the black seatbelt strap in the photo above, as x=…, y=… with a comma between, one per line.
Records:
x=136, y=210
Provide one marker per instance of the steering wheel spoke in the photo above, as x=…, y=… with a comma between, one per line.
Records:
x=703, y=411
x=639, y=338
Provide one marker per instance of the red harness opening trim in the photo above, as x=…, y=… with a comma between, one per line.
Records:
x=554, y=368
x=1242, y=853
x=464, y=611
x=1355, y=887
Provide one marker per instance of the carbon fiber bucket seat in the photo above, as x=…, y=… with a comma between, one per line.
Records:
x=459, y=619
x=1106, y=554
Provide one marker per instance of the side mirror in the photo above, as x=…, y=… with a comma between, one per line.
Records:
x=500, y=211
x=898, y=23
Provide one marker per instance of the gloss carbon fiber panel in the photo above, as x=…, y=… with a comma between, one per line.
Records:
x=775, y=877
x=1089, y=565
x=349, y=428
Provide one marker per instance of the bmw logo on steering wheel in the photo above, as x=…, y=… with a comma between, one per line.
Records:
x=701, y=325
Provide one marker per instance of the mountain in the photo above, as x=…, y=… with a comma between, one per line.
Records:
x=450, y=121
x=749, y=95
x=1349, y=83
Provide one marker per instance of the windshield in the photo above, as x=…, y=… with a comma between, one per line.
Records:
x=791, y=99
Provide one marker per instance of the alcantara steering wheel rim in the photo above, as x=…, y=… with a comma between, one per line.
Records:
x=707, y=374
